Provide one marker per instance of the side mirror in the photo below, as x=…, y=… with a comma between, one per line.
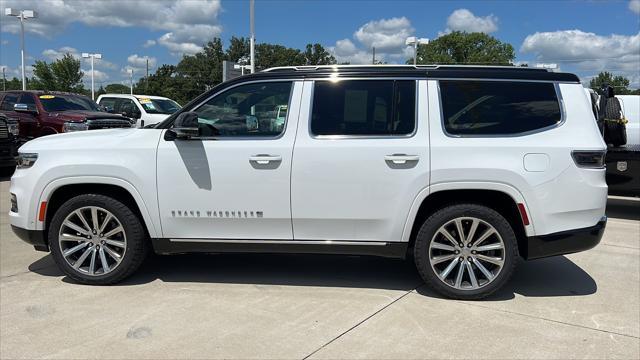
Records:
x=184, y=127
x=23, y=108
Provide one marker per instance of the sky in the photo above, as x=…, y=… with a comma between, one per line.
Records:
x=583, y=37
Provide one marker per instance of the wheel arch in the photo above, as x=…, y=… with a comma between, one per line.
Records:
x=61, y=190
x=500, y=197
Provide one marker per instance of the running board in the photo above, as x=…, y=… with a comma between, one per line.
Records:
x=374, y=248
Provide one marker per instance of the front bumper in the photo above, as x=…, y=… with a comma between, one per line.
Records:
x=565, y=242
x=33, y=237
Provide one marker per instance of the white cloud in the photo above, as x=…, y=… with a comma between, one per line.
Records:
x=57, y=54
x=465, y=20
x=634, y=5
x=148, y=43
x=141, y=61
x=4, y=42
x=15, y=72
x=588, y=52
x=98, y=76
x=386, y=35
x=187, y=24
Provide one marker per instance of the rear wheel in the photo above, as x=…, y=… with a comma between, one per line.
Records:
x=466, y=251
x=97, y=240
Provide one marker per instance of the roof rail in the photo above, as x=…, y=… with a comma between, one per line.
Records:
x=417, y=67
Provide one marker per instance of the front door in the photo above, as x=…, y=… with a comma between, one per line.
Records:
x=232, y=182
x=360, y=160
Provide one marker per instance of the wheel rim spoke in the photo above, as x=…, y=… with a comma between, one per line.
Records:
x=447, y=270
x=75, y=227
x=472, y=276
x=466, y=264
x=448, y=236
x=82, y=258
x=73, y=249
x=92, y=265
x=103, y=261
x=440, y=246
x=112, y=253
x=484, y=270
x=119, y=244
x=113, y=232
x=83, y=220
x=84, y=246
x=460, y=275
x=472, y=231
x=443, y=258
x=104, y=223
x=490, y=259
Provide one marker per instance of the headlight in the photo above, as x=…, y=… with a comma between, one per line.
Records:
x=13, y=129
x=74, y=126
x=26, y=160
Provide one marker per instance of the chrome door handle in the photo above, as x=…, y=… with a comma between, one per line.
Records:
x=401, y=158
x=264, y=159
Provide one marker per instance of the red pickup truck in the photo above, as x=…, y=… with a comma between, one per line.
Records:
x=41, y=113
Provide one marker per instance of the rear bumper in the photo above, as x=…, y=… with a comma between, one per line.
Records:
x=565, y=242
x=33, y=237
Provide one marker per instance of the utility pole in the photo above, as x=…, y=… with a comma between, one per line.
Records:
x=22, y=15
x=130, y=71
x=373, y=62
x=252, y=36
x=146, y=88
x=4, y=80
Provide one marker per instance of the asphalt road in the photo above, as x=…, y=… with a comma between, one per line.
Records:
x=584, y=305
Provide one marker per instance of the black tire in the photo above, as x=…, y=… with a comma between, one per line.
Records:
x=615, y=133
x=137, y=243
x=427, y=234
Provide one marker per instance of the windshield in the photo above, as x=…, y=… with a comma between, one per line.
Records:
x=57, y=103
x=159, y=106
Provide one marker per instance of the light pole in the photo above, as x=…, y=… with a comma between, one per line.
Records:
x=252, y=37
x=22, y=15
x=92, y=56
x=414, y=41
x=130, y=71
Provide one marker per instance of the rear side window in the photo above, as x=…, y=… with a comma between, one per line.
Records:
x=498, y=107
x=364, y=108
x=10, y=99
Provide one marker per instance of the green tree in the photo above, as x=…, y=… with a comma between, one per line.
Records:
x=60, y=75
x=15, y=84
x=117, y=89
x=272, y=55
x=316, y=54
x=465, y=48
x=620, y=83
x=238, y=48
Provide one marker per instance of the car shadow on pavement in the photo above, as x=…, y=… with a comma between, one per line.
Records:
x=623, y=208
x=557, y=276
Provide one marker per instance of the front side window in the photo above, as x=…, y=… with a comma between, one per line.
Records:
x=109, y=104
x=252, y=110
x=10, y=99
x=364, y=108
x=498, y=107
x=159, y=106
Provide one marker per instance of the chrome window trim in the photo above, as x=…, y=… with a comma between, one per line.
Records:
x=296, y=242
x=556, y=86
x=232, y=138
x=346, y=137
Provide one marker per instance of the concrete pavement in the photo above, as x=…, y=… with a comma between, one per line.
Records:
x=584, y=305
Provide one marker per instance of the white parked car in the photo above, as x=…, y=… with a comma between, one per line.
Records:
x=466, y=168
x=143, y=108
x=631, y=109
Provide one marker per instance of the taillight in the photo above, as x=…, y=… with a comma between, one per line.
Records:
x=589, y=158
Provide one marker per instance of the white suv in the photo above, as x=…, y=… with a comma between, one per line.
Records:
x=466, y=168
x=145, y=109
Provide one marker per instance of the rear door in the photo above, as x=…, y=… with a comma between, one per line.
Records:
x=29, y=125
x=360, y=159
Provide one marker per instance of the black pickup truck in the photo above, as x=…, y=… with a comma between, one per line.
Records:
x=8, y=142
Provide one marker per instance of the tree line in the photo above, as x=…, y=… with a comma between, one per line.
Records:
x=194, y=74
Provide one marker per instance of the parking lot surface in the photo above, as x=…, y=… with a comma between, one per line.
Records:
x=585, y=305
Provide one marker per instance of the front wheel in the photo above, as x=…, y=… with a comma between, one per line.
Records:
x=97, y=240
x=466, y=251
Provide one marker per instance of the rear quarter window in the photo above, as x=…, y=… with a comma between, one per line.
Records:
x=498, y=107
